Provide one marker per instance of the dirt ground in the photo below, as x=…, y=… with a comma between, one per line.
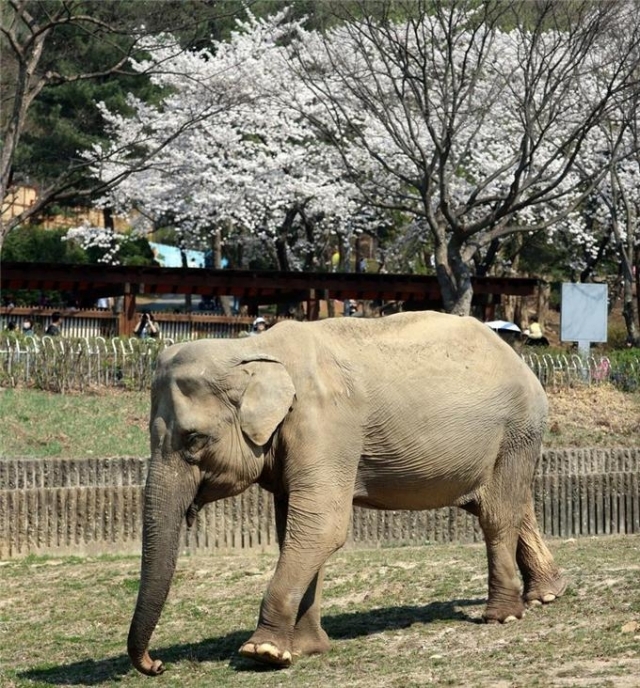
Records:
x=398, y=618
x=593, y=416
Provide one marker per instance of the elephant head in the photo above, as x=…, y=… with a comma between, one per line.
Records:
x=210, y=425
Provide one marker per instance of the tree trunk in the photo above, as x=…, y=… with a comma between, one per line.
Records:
x=542, y=303
x=216, y=248
x=359, y=256
x=630, y=305
x=281, y=240
x=638, y=288
x=454, y=278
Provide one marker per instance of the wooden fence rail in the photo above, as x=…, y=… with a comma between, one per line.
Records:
x=94, y=506
x=92, y=322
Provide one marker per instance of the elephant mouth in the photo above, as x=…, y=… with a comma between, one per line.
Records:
x=198, y=502
x=211, y=489
x=192, y=513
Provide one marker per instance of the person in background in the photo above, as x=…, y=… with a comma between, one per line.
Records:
x=335, y=259
x=259, y=326
x=55, y=326
x=146, y=327
x=535, y=331
x=11, y=326
x=350, y=307
x=27, y=327
x=534, y=336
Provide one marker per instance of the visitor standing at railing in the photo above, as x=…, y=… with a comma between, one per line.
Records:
x=55, y=327
x=534, y=335
x=259, y=326
x=146, y=327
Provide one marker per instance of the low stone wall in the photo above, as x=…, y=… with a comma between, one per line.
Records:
x=94, y=506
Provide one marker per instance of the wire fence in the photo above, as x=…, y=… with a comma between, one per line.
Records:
x=61, y=364
x=568, y=370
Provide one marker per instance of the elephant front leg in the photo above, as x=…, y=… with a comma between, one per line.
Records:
x=289, y=622
x=309, y=638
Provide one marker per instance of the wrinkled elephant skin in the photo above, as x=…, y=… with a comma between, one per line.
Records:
x=411, y=411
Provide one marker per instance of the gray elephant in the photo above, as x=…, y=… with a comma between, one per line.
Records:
x=410, y=411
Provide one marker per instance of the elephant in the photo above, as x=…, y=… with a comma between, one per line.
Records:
x=414, y=410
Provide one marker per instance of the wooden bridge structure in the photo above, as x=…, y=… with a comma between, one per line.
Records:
x=253, y=288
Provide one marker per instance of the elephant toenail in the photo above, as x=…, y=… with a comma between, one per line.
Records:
x=266, y=649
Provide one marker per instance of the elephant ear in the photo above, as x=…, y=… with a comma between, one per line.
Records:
x=267, y=398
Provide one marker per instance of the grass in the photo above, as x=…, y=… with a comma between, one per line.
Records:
x=398, y=618
x=43, y=424
x=114, y=423
x=598, y=416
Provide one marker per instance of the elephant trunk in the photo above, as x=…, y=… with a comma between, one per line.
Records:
x=164, y=510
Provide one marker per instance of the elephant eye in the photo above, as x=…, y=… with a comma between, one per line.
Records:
x=193, y=442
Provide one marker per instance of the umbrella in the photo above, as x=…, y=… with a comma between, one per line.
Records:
x=503, y=325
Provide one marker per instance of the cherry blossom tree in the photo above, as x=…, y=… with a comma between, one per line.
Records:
x=465, y=124
x=224, y=152
x=617, y=209
x=472, y=117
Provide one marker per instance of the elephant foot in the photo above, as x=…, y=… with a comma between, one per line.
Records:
x=501, y=612
x=544, y=592
x=266, y=653
x=310, y=642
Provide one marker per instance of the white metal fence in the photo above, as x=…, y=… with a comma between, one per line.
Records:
x=562, y=370
x=59, y=363
x=65, y=363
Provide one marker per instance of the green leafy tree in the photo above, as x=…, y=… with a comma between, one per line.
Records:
x=60, y=58
x=37, y=245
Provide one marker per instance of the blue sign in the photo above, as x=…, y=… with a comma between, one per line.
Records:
x=171, y=256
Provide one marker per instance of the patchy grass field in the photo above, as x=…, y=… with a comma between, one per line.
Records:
x=114, y=423
x=398, y=618
x=601, y=416
x=99, y=424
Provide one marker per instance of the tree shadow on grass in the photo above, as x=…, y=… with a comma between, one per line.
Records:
x=338, y=626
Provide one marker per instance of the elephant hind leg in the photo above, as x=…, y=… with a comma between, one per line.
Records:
x=501, y=533
x=543, y=582
x=505, y=599
x=309, y=638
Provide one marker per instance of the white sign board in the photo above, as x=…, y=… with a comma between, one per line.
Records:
x=583, y=317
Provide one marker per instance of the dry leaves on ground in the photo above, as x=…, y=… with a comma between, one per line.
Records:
x=593, y=416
